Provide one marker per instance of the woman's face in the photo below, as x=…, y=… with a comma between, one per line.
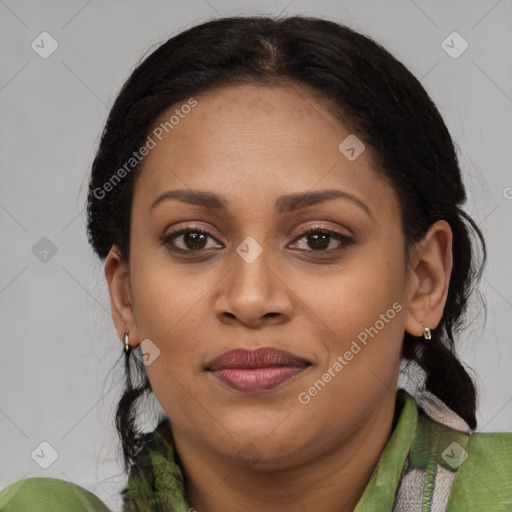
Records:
x=249, y=167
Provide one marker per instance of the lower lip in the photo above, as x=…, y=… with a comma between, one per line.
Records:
x=257, y=380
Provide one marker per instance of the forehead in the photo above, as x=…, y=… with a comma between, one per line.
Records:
x=257, y=142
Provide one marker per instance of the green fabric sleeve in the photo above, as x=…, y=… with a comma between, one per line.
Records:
x=42, y=494
x=484, y=479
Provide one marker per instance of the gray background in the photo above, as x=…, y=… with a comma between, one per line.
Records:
x=58, y=340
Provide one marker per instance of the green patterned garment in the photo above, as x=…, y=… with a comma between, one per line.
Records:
x=432, y=462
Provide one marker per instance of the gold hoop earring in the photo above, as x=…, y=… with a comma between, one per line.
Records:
x=427, y=333
x=127, y=347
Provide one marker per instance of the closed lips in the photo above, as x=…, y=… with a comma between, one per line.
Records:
x=256, y=371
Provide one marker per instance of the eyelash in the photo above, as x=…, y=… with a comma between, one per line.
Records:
x=343, y=239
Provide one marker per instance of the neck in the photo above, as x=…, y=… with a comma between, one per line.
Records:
x=336, y=478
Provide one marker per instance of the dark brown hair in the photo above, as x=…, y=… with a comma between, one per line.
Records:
x=375, y=97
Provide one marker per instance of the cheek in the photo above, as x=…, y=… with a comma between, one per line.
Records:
x=361, y=312
x=362, y=316
x=169, y=312
x=173, y=309
x=353, y=298
x=166, y=295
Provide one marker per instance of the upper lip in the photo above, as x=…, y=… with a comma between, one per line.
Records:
x=262, y=357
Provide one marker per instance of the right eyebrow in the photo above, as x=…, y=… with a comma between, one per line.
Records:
x=197, y=197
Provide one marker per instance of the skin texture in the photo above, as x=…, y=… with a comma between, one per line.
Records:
x=252, y=145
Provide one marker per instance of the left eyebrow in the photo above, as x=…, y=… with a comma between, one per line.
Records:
x=292, y=202
x=284, y=204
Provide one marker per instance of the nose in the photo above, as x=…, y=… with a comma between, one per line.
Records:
x=254, y=294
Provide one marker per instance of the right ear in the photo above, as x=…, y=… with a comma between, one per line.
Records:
x=117, y=273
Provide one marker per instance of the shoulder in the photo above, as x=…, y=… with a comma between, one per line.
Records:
x=450, y=467
x=40, y=494
x=484, y=478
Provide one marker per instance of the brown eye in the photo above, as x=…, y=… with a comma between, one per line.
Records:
x=319, y=240
x=192, y=240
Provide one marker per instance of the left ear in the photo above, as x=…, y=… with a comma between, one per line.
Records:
x=430, y=267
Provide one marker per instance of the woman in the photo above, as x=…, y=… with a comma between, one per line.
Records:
x=278, y=207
